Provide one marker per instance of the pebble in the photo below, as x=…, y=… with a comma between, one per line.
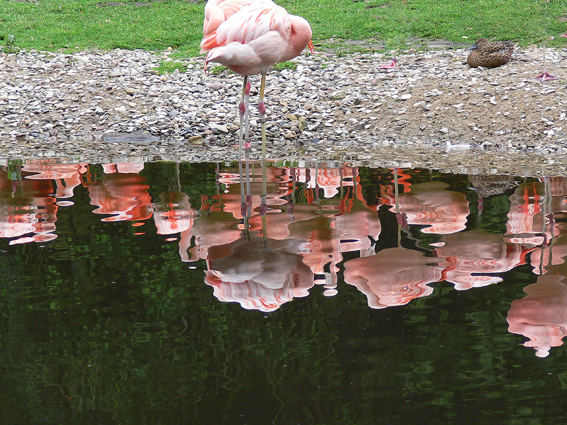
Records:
x=329, y=107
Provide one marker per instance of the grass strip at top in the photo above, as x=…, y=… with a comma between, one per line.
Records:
x=158, y=24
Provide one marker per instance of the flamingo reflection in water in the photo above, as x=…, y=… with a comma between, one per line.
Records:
x=526, y=217
x=174, y=215
x=542, y=315
x=255, y=271
x=122, y=193
x=554, y=250
x=431, y=204
x=66, y=176
x=475, y=257
x=260, y=274
x=394, y=276
x=283, y=244
x=30, y=203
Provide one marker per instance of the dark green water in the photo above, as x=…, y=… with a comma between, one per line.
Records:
x=160, y=293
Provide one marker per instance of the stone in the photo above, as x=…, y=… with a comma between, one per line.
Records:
x=90, y=101
x=135, y=137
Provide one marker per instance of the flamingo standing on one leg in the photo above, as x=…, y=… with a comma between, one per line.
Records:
x=250, y=41
x=216, y=12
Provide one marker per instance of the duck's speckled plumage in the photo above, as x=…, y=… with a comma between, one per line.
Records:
x=490, y=54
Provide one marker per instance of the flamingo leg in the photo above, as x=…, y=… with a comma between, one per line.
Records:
x=247, y=144
x=262, y=110
x=241, y=112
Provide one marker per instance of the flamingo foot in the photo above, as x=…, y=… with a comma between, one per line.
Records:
x=390, y=65
x=247, y=145
x=545, y=76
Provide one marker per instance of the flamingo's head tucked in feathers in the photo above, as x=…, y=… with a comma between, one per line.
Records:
x=299, y=38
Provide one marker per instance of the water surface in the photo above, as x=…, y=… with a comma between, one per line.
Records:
x=164, y=293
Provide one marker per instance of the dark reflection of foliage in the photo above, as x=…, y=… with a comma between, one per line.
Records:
x=149, y=346
x=100, y=326
x=494, y=213
x=196, y=179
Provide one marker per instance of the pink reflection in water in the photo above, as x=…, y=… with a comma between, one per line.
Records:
x=526, y=221
x=328, y=179
x=357, y=223
x=475, y=256
x=30, y=205
x=27, y=206
x=542, y=315
x=394, y=276
x=123, y=167
x=553, y=248
x=551, y=254
x=173, y=213
x=124, y=196
x=65, y=176
x=260, y=275
x=431, y=204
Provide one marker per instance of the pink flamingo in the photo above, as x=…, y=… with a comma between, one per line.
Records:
x=218, y=11
x=249, y=37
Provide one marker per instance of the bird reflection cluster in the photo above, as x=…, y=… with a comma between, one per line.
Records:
x=271, y=234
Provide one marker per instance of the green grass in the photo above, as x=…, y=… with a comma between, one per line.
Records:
x=218, y=69
x=285, y=65
x=167, y=67
x=392, y=24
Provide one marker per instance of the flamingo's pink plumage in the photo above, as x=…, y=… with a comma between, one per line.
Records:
x=255, y=38
x=249, y=37
x=218, y=11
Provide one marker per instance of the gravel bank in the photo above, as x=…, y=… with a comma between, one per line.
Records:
x=430, y=111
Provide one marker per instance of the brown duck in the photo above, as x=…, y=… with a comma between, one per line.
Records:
x=490, y=54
